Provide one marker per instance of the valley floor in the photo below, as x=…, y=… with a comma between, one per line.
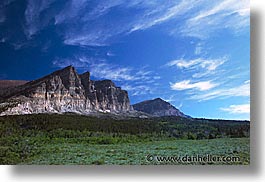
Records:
x=80, y=140
x=236, y=151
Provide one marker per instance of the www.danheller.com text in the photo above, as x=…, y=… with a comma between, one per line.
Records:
x=192, y=159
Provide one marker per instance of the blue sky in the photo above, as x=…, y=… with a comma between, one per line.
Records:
x=193, y=53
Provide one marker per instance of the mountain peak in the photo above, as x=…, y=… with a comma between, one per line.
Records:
x=158, y=99
x=86, y=73
x=66, y=91
x=67, y=69
x=158, y=107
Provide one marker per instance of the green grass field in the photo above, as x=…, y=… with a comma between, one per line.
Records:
x=79, y=140
x=67, y=152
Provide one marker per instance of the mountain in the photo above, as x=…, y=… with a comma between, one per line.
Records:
x=64, y=91
x=158, y=107
x=11, y=83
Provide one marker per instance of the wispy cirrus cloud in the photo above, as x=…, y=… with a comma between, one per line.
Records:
x=222, y=14
x=237, y=109
x=34, y=20
x=71, y=10
x=200, y=66
x=187, y=84
x=86, y=22
x=195, y=88
x=159, y=16
x=113, y=72
x=142, y=15
x=208, y=64
x=92, y=38
x=102, y=69
x=225, y=7
x=137, y=89
x=236, y=91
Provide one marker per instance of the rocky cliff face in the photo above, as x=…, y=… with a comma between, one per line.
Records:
x=64, y=91
x=158, y=107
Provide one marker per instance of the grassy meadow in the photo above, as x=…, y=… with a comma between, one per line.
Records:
x=79, y=140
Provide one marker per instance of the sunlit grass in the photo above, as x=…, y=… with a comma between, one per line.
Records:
x=135, y=153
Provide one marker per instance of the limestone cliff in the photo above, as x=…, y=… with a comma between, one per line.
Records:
x=64, y=91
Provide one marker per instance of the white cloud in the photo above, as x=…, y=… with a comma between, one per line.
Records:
x=92, y=38
x=225, y=6
x=79, y=63
x=85, y=24
x=32, y=16
x=229, y=14
x=186, y=84
x=112, y=72
x=201, y=67
x=168, y=14
x=237, y=109
x=208, y=64
x=77, y=17
x=101, y=69
x=136, y=90
x=71, y=10
x=103, y=8
x=83, y=34
x=119, y=73
x=239, y=91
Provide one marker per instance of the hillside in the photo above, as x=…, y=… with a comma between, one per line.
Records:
x=158, y=107
x=11, y=83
